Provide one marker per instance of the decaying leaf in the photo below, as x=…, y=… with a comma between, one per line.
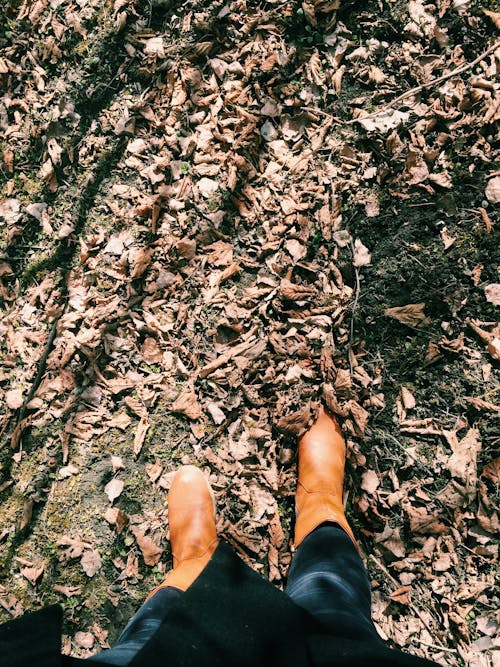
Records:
x=492, y=191
x=370, y=481
x=411, y=314
x=151, y=552
x=362, y=255
x=114, y=488
x=91, y=562
x=187, y=404
x=492, y=293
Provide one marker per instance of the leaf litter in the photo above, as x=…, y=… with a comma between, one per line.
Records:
x=207, y=295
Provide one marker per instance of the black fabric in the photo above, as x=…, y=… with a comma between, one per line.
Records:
x=32, y=639
x=229, y=616
x=328, y=579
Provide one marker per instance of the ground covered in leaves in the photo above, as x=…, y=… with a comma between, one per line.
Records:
x=214, y=216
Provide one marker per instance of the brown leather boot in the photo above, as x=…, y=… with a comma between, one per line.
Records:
x=318, y=497
x=193, y=536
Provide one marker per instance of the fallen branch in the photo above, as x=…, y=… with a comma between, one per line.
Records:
x=423, y=86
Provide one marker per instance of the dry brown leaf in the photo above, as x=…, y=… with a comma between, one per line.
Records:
x=151, y=552
x=113, y=489
x=32, y=574
x=117, y=463
x=492, y=293
x=463, y=462
x=362, y=255
x=370, y=481
x=494, y=16
x=68, y=591
x=412, y=314
x=402, y=595
x=407, y=398
x=84, y=639
x=481, y=404
x=360, y=417
x=295, y=422
x=486, y=220
x=492, y=191
x=139, y=259
x=187, y=404
x=492, y=471
x=116, y=518
x=140, y=435
x=91, y=562
x=14, y=398
x=447, y=239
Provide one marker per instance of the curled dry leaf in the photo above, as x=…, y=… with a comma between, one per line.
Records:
x=151, y=552
x=187, y=404
x=412, y=314
x=492, y=293
x=113, y=489
x=140, y=435
x=492, y=191
x=370, y=481
x=84, y=639
x=14, y=398
x=116, y=518
x=362, y=255
x=91, y=562
x=384, y=121
x=32, y=574
x=117, y=462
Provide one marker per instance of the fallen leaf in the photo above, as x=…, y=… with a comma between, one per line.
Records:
x=140, y=435
x=117, y=463
x=14, y=398
x=116, y=518
x=68, y=591
x=91, y=562
x=492, y=191
x=68, y=471
x=10, y=210
x=494, y=16
x=151, y=552
x=401, y=595
x=155, y=47
x=447, y=239
x=384, y=121
x=113, y=489
x=462, y=463
x=412, y=314
x=84, y=639
x=370, y=481
x=32, y=574
x=216, y=413
x=362, y=255
x=492, y=293
x=187, y=404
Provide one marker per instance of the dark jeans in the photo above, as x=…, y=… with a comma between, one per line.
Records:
x=327, y=578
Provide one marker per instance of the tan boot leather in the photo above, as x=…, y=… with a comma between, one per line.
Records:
x=193, y=536
x=318, y=497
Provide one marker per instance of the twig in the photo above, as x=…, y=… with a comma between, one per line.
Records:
x=396, y=583
x=354, y=306
x=412, y=91
x=403, y=448
x=423, y=86
x=435, y=646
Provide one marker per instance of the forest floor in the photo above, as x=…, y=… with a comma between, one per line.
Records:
x=213, y=217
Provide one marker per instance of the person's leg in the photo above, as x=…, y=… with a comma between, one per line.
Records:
x=328, y=579
x=327, y=576
x=193, y=537
x=139, y=629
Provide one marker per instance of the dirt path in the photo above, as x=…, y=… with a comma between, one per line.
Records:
x=202, y=239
